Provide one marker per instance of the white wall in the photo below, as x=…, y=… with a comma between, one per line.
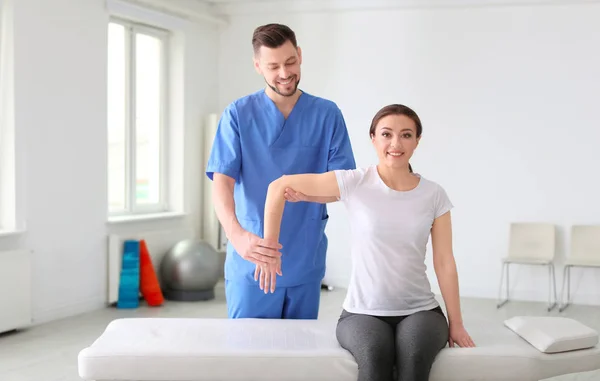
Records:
x=60, y=117
x=507, y=96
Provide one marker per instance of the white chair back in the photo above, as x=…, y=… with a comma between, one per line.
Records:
x=532, y=241
x=585, y=243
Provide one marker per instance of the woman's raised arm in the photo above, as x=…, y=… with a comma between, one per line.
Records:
x=310, y=184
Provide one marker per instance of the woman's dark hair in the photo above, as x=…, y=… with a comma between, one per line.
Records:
x=396, y=109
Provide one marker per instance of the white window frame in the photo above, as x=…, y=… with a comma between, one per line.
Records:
x=11, y=187
x=131, y=208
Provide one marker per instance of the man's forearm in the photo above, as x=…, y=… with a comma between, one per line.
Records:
x=224, y=206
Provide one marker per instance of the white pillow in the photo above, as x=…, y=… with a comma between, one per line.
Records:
x=553, y=334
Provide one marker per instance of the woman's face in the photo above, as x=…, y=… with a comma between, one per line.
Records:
x=395, y=140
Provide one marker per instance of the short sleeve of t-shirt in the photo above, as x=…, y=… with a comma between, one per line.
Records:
x=442, y=202
x=347, y=180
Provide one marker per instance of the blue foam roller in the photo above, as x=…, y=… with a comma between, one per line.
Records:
x=129, y=284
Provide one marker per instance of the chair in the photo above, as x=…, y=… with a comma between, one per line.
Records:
x=584, y=252
x=531, y=244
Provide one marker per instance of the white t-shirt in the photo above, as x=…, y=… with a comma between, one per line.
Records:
x=390, y=230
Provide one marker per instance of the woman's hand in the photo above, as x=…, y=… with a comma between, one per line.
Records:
x=459, y=336
x=266, y=275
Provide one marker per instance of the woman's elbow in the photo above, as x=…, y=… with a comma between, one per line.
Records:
x=277, y=185
x=444, y=262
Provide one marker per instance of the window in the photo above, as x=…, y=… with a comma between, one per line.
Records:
x=137, y=118
x=10, y=216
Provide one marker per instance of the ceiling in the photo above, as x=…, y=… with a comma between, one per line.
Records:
x=236, y=1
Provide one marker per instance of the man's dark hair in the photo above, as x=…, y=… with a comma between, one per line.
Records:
x=272, y=36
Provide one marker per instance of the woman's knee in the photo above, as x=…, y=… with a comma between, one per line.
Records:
x=421, y=336
x=370, y=340
x=419, y=339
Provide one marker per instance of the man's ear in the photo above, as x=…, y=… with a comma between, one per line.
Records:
x=256, y=62
x=299, y=50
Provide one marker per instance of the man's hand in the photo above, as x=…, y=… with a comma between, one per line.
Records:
x=254, y=249
x=293, y=196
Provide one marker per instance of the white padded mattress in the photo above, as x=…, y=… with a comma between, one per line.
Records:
x=172, y=349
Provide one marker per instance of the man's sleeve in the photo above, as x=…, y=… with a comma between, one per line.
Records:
x=226, y=155
x=340, y=151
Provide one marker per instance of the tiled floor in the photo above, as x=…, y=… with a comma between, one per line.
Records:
x=49, y=352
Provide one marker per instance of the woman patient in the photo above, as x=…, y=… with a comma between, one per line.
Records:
x=390, y=322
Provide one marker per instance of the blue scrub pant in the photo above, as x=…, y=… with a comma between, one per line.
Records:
x=298, y=302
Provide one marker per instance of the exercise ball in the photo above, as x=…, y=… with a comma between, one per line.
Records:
x=189, y=271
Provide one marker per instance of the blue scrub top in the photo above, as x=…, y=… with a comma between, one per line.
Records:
x=255, y=145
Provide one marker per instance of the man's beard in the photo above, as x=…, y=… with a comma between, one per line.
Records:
x=274, y=88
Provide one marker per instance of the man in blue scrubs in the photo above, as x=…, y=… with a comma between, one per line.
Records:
x=278, y=130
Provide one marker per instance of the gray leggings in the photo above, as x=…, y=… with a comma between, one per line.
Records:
x=381, y=345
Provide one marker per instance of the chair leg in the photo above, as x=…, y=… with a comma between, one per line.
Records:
x=562, y=291
x=500, y=301
x=569, y=286
x=551, y=287
x=567, y=279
